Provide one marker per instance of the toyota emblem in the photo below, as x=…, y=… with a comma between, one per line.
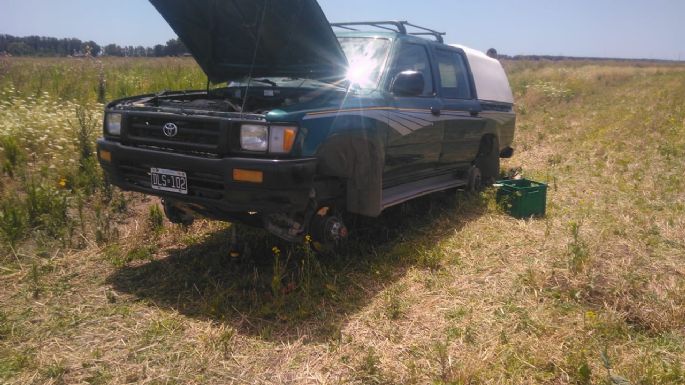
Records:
x=170, y=130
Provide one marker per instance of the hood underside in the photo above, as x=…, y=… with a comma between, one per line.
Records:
x=233, y=39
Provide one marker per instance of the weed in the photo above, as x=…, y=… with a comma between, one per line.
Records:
x=583, y=374
x=160, y=329
x=89, y=177
x=578, y=249
x=55, y=372
x=12, y=363
x=266, y=332
x=100, y=377
x=457, y=314
x=13, y=155
x=310, y=269
x=86, y=126
x=102, y=83
x=465, y=334
x=13, y=220
x=225, y=339
x=611, y=379
x=47, y=208
x=107, y=194
x=155, y=219
x=430, y=258
x=277, y=277
x=369, y=368
x=104, y=232
x=396, y=306
x=444, y=360
x=579, y=368
x=34, y=281
x=5, y=327
x=120, y=203
x=118, y=258
x=142, y=253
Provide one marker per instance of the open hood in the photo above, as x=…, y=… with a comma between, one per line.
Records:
x=283, y=38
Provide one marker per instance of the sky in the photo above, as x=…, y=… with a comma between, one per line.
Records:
x=653, y=29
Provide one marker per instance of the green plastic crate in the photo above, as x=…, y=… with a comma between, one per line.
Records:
x=522, y=198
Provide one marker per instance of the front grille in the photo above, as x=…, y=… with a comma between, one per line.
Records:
x=200, y=184
x=193, y=135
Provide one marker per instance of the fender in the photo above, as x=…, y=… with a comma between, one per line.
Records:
x=359, y=160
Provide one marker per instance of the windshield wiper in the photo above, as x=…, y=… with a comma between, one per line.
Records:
x=266, y=81
x=155, y=98
x=337, y=84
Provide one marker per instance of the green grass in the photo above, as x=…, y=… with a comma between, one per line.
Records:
x=445, y=290
x=77, y=79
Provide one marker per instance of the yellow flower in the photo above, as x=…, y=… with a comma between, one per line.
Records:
x=62, y=182
x=276, y=250
x=590, y=317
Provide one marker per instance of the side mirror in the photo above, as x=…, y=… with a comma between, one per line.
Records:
x=408, y=83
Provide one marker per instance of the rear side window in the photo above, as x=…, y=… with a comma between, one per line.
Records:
x=454, y=80
x=414, y=57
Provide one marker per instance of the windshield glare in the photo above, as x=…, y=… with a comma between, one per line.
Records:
x=366, y=57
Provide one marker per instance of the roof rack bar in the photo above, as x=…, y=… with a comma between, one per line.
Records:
x=438, y=35
x=397, y=24
x=382, y=27
x=345, y=27
x=401, y=27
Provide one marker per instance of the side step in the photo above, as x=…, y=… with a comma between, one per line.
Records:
x=399, y=194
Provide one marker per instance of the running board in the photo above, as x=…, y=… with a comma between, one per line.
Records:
x=399, y=194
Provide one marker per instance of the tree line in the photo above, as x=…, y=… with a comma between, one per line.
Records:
x=51, y=46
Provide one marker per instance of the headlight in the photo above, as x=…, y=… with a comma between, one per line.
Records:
x=281, y=139
x=254, y=137
x=113, y=124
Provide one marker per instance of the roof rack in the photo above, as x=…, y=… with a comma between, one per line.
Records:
x=395, y=26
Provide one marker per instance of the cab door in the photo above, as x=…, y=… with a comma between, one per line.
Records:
x=463, y=125
x=414, y=139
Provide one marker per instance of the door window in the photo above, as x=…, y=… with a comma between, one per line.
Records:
x=454, y=80
x=414, y=57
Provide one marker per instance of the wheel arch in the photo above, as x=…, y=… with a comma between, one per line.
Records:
x=358, y=159
x=487, y=144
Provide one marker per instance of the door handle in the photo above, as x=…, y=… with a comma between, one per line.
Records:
x=475, y=113
x=436, y=111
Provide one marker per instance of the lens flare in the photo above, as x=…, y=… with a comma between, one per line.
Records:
x=366, y=57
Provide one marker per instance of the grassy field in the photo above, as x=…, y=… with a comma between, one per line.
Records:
x=97, y=288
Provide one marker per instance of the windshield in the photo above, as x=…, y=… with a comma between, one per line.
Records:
x=366, y=57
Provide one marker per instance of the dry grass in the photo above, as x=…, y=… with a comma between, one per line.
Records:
x=445, y=290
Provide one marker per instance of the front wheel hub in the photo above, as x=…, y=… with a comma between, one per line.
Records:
x=334, y=229
x=328, y=230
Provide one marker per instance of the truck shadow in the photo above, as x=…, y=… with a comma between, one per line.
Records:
x=296, y=295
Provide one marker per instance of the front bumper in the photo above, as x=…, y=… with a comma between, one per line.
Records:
x=211, y=188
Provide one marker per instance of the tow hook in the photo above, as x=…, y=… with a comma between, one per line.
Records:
x=286, y=227
x=177, y=215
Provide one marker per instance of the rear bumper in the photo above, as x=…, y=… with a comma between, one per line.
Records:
x=211, y=187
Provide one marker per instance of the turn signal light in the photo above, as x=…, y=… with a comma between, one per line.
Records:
x=106, y=156
x=282, y=139
x=250, y=176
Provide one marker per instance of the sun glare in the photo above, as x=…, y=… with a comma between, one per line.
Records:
x=366, y=57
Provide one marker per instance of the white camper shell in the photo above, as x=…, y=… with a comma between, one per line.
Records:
x=492, y=84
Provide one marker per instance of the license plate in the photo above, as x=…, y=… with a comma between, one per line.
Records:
x=169, y=180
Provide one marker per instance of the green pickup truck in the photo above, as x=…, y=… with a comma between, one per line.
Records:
x=315, y=120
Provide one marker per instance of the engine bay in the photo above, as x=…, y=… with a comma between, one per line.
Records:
x=255, y=100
